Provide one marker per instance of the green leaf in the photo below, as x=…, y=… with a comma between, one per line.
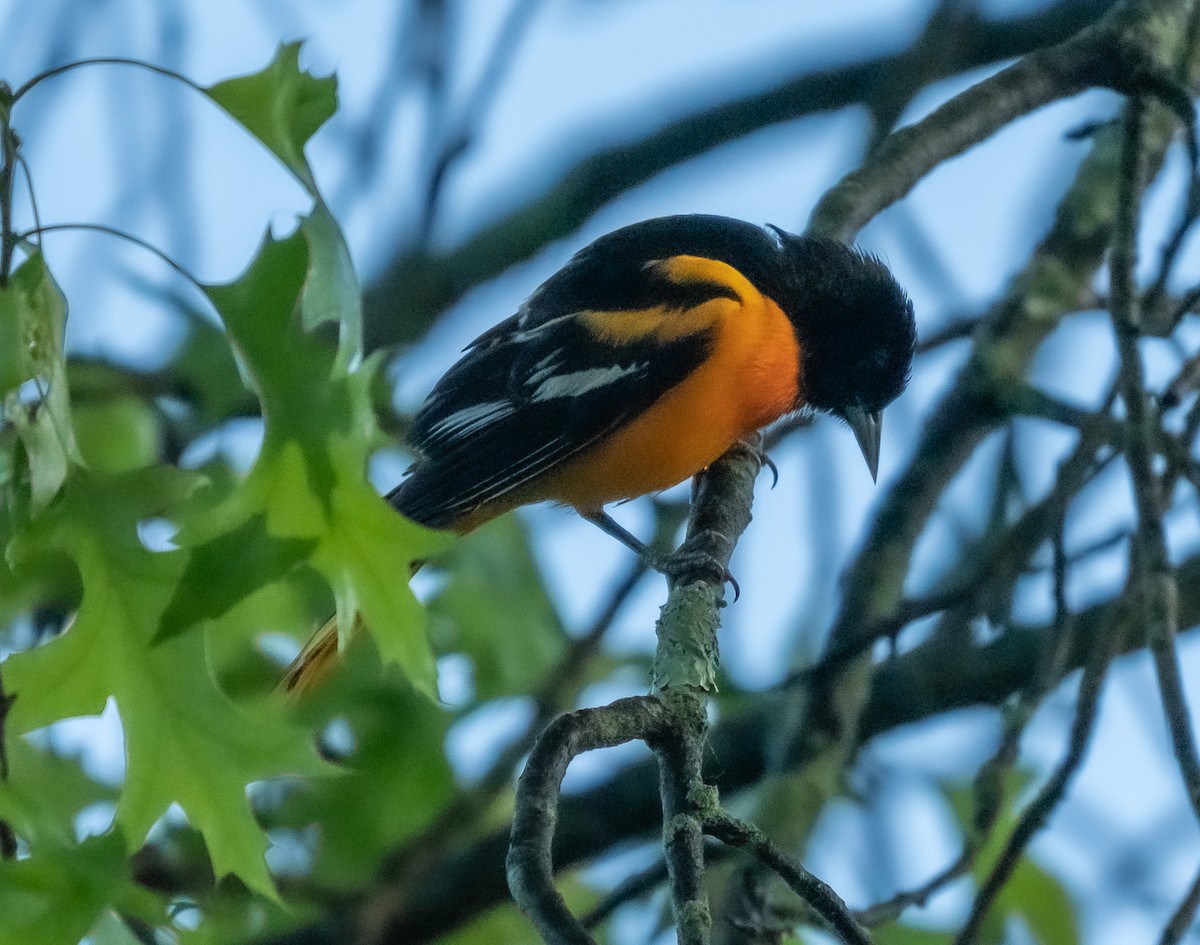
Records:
x=205, y=367
x=185, y=741
x=55, y=896
x=117, y=435
x=32, y=318
x=1042, y=902
x=332, y=293
x=895, y=934
x=33, y=314
x=361, y=823
x=1031, y=893
x=44, y=793
x=281, y=106
x=227, y=569
x=112, y=931
x=308, y=483
x=14, y=312
x=495, y=608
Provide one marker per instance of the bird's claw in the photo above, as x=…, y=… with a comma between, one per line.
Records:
x=695, y=561
x=769, y=463
x=764, y=461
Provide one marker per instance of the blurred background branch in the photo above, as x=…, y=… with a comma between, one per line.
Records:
x=1012, y=611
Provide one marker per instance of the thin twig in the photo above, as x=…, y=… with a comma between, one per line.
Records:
x=10, y=147
x=1182, y=921
x=120, y=234
x=563, y=683
x=8, y=839
x=41, y=77
x=928, y=55
x=1182, y=384
x=890, y=909
x=1186, y=304
x=631, y=889
x=989, y=782
x=1152, y=300
x=994, y=564
x=464, y=130
x=642, y=884
x=1028, y=401
x=955, y=329
x=818, y=894
x=1040, y=809
x=1097, y=546
x=1151, y=565
x=1050, y=667
x=33, y=205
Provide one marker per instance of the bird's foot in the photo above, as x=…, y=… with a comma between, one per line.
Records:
x=692, y=560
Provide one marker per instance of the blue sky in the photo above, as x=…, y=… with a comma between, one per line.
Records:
x=128, y=149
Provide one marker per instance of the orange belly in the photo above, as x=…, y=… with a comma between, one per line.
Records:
x=750, y=379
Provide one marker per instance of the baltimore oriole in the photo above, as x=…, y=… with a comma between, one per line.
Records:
x=650, y=353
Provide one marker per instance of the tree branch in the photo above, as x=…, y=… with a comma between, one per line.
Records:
x=1150, y=563
x=1040, y=809
x=906, y=689
x=819, y=895
x=672, y=721
x=1184, y=917
x=416, y=286
x=529, y=863
x=1112, y=53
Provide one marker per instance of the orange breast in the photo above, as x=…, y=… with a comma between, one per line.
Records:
x=749, y=380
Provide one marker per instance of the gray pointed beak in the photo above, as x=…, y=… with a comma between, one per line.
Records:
x=868, y=428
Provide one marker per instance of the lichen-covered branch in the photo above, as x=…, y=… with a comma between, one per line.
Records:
x=907, y=689
x=672, y=721
x=530, y=863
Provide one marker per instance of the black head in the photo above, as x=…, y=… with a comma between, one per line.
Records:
x=856, y=331
x=854, y=322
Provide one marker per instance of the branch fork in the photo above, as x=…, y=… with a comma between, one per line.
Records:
x=672, y=720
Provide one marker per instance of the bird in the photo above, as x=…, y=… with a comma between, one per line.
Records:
x=655, y=349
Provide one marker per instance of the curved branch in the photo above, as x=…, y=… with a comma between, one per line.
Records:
x=530, y=867
x=673, y=721
x=1112, y=54
x=906, y=689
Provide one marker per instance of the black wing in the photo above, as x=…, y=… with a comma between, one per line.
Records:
x=508, y=412
x=541, y=386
